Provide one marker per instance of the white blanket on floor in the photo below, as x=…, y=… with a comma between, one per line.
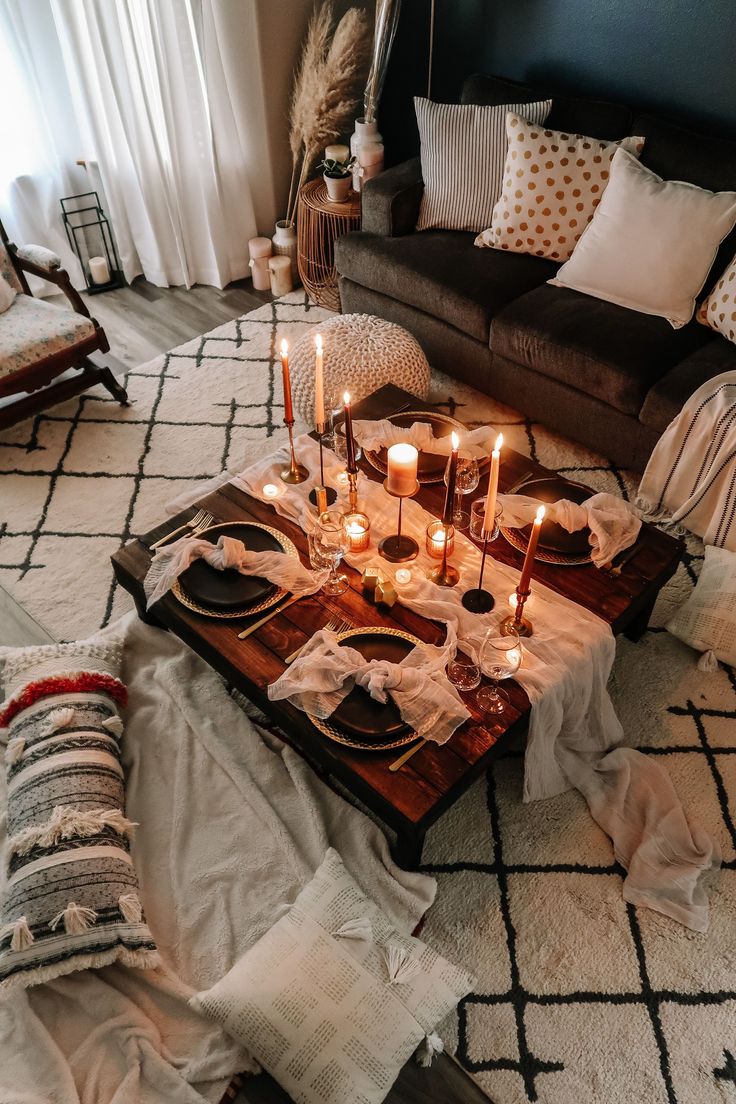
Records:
x=690, y=480
x=230, y=828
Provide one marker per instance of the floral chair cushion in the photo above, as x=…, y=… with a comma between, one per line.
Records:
x=32, y=329
x=7, y=270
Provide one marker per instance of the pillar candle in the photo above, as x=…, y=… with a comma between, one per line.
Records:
x=279, y=269
x=349, y=442
x=490, y=517
x=98, y=270
x=260, y=251
x=337, y=153
x=452, y=477
x=288, y=408
x=526, y=571
x=402, y=470
x=319, y=385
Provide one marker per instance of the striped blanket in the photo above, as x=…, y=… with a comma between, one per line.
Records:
x=690, y=480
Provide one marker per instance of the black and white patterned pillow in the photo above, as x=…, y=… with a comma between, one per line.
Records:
x=70, y=898
x=463, y=154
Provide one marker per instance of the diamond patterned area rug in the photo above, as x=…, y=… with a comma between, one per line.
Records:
x=579, y=997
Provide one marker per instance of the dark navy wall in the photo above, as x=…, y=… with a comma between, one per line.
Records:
x=675, y=56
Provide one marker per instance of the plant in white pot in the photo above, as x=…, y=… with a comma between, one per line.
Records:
x=338, y=177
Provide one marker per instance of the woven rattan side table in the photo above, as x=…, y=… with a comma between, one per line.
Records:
x=319, y=223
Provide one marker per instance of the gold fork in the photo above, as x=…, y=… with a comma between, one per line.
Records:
x=335, y=624
x=201, y=520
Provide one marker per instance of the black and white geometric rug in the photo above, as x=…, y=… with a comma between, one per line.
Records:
x=580, y=998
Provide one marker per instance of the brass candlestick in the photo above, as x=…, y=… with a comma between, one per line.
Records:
x=516, y=622
x=444, y=575
x=398, y=548
x=295, y=473
x=353, y=491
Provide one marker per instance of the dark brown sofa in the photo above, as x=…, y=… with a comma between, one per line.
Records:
x=609, y=377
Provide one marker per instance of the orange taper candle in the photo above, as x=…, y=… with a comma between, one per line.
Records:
x=288, y=408
x=526, y=571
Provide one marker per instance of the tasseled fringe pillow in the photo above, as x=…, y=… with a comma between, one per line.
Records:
x=71, y=899
x=333, y=999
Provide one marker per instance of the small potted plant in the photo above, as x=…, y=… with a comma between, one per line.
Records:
x=337, y=175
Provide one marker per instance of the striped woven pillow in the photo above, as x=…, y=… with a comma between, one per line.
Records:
x=71, y=897
x=463, y=154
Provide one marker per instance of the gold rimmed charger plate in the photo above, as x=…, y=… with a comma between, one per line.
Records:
x=544, y=555
x=432, y=418
x=189, y=603
x=340, y=737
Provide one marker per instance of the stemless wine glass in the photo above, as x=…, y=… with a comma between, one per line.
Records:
x=328, y=543
x=466, y=480
x=463, y=672
x=500, y=658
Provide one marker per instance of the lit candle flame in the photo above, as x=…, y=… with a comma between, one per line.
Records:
x=499, y=442
x=346, y=398
x=455, y=441
x=318, y=342
x=540, y=513
x=284, y=346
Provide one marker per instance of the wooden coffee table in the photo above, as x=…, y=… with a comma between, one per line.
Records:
x=410, y=800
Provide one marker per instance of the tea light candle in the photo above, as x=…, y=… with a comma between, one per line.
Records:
x=342, y=478
x=490, y=515
x=514, y=601
x=99, y=271
x=403, y=576
x=270, y=490
x=319, y=385
x=437, y=535
x=288, y=408
x=402, y=470
x=526, y=571
x=359, y=532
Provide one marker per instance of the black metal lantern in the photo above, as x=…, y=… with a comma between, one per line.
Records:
x=91, y=239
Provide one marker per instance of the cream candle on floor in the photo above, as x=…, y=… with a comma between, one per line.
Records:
x=402, y=470
x=490, y=516
x=279, y=269
x=98, y=270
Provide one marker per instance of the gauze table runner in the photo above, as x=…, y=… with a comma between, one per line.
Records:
x=565, y=670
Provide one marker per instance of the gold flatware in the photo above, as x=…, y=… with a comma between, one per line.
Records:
x=279, y=609
x=398, y=763
x=629, y=555
x=335, y=624
x=201, y=520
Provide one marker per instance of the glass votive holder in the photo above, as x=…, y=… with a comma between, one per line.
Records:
x=359, y=531
x=437, y=534
x=477, y=517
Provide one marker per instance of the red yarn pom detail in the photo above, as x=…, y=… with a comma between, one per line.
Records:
x=85, y=682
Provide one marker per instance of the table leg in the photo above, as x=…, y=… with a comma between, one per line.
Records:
x=146, y=615
x=639, y=625
x=407, y=851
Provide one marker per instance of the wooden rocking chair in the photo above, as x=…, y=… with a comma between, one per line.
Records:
x=40, y=341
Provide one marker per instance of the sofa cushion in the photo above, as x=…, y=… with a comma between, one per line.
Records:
x=610, y=352
x=595, y=117
x=32, y=329
x=442, y=273
x=670, y=393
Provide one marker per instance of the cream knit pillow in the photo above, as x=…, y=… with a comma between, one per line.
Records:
x=719, y=310
x=552, y=184
x=707, y=621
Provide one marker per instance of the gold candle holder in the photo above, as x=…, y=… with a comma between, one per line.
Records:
x=353, y=491
x=437, y=536
x=444, y=575
x=516, y=622
x=296, y=472
x=359, y=531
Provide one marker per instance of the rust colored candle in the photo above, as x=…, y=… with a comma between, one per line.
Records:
x=288, y=408
x=526, y=571
x=349, y=441
x=451, y=479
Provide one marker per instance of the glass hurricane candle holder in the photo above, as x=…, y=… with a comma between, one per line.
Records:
x=359, y=532
x=439, y=534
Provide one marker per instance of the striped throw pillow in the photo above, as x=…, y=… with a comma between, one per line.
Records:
x=463, y=153
x=71, y=894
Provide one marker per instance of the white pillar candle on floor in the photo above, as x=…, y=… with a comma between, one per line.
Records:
x=402, y=470
x=337, y=153
x=319, y=385
x=260, y=251
x=99, y=271
x=489, y=519
x=279, y=269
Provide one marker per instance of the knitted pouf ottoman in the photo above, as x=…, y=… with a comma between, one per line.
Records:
x=361, y=354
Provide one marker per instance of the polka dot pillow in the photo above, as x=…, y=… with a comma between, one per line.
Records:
x=719, y=310
x=552, y=184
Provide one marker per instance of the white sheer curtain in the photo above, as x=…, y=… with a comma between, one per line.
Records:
x=156, y=117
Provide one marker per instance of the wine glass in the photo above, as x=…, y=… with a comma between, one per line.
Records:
x=328, y=543
x=500, y=658
x=463, y=672
x=339, y=444
x=467, y=478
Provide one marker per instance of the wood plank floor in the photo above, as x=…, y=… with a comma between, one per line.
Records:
x=142, y=321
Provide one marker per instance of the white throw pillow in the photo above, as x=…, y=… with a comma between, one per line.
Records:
x=463, y=153
x=719, y=310
x=333, y=1000
x=651, y=242
x=553, y=183
x=7, y=295
x=707, y=621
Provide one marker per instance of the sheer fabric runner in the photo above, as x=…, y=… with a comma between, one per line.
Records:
x=573, y=726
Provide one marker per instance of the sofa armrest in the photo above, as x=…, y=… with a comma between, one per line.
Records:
x=391, y=200
x=38, y=255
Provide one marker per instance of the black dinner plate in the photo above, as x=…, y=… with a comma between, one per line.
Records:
x=227, y=590
x=552, y=536
x=430, y=465
x=359, y=714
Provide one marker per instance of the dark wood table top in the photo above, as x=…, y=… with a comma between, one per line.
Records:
x=414, y=797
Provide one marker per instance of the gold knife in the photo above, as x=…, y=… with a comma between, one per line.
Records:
x=398, y=763
x=279, y=609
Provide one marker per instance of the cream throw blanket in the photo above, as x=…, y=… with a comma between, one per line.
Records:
x=690, y=480
x=198, y=773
